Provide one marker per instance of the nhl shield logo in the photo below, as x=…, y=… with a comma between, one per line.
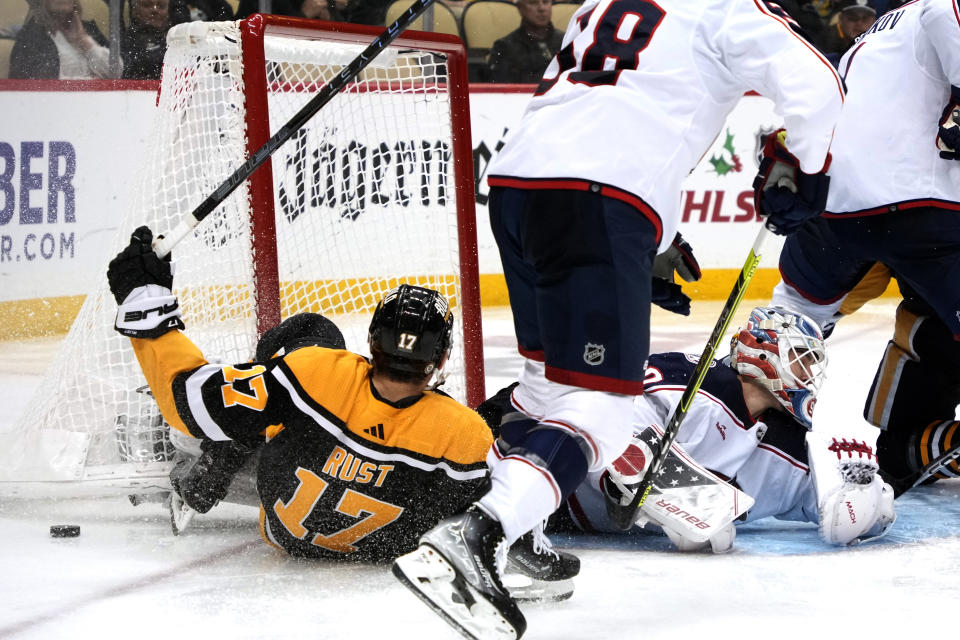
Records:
x=593, y=354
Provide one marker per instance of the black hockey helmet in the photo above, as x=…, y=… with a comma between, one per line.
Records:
x=300, y=330
x=412, y=326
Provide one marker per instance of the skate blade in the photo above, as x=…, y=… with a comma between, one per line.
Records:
x=434, y=580
x=180, y=514
x=525, y=589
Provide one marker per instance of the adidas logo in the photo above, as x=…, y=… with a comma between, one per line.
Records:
x=376, y=431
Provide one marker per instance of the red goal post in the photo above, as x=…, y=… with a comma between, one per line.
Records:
x=377, y=189
x=261, y=184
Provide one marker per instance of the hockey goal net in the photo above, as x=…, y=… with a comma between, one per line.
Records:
x=377, y=189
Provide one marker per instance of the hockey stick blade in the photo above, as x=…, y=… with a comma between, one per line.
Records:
x=904, y=484
x=169, y=240
x=624, y=516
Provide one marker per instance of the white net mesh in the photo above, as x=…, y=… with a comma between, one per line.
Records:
x=364, y=200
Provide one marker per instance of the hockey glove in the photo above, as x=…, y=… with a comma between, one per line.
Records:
x=203, y=482
x=669, y=296
x=140, y=281
x=678, y=258
x=783, y=194
x=948, y=137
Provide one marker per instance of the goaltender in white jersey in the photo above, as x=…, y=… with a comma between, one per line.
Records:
x=650, y=128
x=747, y=426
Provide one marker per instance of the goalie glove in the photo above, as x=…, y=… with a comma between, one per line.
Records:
x=679, y=259
x=854, y=504
x=782, y=193
x=203, y=482
x=140, y=282
x=948, y=135
x=854, y=513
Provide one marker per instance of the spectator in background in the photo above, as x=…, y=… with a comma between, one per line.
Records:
x=199, y=10
x=368, y=11
x=144, y=41
x=315, y=9
x=852, y=17
x=806, y=15
x=523, y=55
x=56, y=43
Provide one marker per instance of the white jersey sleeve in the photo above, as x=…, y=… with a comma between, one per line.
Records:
x=764, y=52
x=899, y=75
x=941, y=24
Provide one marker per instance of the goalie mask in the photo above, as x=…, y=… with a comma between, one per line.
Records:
x=784, y=352
x=412, y=326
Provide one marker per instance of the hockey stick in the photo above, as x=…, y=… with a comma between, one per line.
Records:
x=623, y=516
x=164, y=245
x=904, y=484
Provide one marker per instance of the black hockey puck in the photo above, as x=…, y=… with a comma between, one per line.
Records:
x=64, y=530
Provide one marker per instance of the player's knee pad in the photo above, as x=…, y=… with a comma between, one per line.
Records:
x=899, y=393
x=564, y=455
x=930, y=340
x=918, y=379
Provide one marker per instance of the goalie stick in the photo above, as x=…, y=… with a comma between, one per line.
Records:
x=904, y=484
x=623, y=516
x=168, y=241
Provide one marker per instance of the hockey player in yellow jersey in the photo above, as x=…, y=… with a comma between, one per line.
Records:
x=367, y=459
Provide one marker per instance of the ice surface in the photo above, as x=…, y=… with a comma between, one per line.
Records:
x=127, y=577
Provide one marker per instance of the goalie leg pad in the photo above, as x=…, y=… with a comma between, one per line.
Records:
x=690, y=500
x=719, y=542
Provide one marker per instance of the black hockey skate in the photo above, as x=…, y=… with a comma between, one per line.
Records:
x=537, y=572
x=455, y=572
